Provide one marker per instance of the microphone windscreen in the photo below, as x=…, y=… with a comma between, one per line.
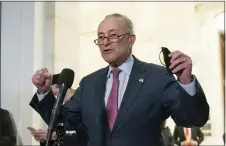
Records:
x=55, y=79
x=66, y=77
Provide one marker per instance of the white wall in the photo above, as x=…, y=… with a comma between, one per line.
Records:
x=22, y=53
x=66, y=54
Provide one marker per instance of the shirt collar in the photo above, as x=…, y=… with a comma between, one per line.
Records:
x=126, y=67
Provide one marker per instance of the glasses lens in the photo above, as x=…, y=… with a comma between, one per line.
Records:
x=113, y=39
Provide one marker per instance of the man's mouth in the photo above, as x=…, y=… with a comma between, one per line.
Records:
x=108, y=51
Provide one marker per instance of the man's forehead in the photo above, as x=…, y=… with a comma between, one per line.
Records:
x=108, y=31
x=112, y=24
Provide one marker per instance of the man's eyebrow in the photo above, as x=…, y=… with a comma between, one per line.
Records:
x=100, y=33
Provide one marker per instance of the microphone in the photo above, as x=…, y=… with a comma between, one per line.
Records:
x=65, y=81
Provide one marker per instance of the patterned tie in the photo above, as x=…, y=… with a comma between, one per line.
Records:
x=112, y=104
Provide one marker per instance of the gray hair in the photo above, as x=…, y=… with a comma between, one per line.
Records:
x=129, y=23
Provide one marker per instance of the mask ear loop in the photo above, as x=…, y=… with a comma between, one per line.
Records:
x=160, y=58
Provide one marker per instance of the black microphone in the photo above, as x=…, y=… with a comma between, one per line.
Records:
x=66, y=79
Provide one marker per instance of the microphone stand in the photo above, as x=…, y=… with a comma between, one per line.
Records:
x=56, y=113
x=60, y=129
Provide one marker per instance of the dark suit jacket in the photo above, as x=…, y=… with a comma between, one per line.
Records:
x=45, y=112
x=7, y=131
x=44, y=108
x=144, y=107
x=196, y=135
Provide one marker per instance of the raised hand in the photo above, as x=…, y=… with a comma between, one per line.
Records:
x=42, y=80
x=181, y=62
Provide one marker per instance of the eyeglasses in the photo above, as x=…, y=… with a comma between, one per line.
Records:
x=111, y=39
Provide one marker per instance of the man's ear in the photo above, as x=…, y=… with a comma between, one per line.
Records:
x=132, y=39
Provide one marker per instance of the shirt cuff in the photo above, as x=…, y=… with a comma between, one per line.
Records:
x=41, y=96
x=190, y=88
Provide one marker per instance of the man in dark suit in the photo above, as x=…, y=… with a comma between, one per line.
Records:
x=125, y=103
x=193, y=135
x=35, y=102
x=7, y=130
x=38, y=106
x=40, y=134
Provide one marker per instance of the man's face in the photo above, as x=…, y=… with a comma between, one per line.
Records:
x=115, y=53
x=55, y=89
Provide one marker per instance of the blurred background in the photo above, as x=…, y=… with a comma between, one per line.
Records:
x=59, y=35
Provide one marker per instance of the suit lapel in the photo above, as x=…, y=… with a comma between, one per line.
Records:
x=135, y=82
x=100, y=87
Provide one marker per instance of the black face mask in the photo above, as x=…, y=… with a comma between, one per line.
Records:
x=166, y=59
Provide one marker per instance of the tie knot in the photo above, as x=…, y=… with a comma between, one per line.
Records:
x=116, y=72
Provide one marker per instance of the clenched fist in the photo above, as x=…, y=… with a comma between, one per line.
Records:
x=42, y=80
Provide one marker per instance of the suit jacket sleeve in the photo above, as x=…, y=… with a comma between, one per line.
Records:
x=44, y=107
x=185, y=110
x=8, y=131
x=200, y=136
x=72, y=110
x=176, y=135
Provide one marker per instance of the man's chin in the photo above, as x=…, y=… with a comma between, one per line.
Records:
x=109, y=59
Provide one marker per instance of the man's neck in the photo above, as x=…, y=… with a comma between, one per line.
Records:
x=120, y=62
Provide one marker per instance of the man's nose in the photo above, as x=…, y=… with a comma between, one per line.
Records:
x=105, y=41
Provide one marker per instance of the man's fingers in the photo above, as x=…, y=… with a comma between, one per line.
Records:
x=47, y=75
x=173, y=52
x=34, y=80
x=177, y=62
x=41, y=135
x=39, y=72
x=175, y=57
x=42, y=80
x=38, y=77
x=40, y=132
x=182, y=66
x=44, y=70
